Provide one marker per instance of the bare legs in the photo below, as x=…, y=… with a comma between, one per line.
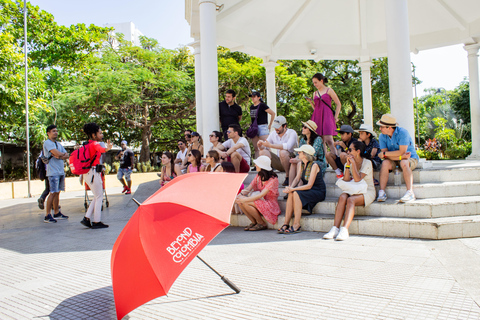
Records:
x=53, y=200
x=346, y=209
x=236, y=158
x=328, y=140
x=255, y=146
x=294, y=207
x=252, y=213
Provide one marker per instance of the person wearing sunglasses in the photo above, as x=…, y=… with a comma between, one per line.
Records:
x=357, y=168
x=310, y=137
x=238, y=150
x=306, y=190
x=181, y=155
x=284, y=140
x=195, y=160
x=216, y=140
x=213, y=162
x=196, y=144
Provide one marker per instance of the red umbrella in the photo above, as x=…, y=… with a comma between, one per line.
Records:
x=166, y=232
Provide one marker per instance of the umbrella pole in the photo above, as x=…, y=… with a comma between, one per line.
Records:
x=224, y=279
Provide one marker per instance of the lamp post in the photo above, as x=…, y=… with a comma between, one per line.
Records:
x=27, y=133
x=416, y=105
x=439, y=90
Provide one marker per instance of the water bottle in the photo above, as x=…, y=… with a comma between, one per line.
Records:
x=397, y=179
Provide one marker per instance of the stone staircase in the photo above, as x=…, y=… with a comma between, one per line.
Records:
x=447, y=205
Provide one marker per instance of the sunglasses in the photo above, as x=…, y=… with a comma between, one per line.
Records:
x=228, y=131
x=189, y=154
x=304, y=127
x=211, y=135
x=188, y=135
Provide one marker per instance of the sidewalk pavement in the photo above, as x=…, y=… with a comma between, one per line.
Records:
x=62, y=271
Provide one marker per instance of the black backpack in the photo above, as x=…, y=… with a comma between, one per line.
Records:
x=41, y=170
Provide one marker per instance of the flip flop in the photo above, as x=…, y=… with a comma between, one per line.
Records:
x=282, y=229
x=292, y=231
x=258, y=227
x=250, y=226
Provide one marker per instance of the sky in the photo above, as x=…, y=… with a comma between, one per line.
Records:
x=165, y=21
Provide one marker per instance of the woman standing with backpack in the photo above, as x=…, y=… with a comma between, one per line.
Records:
x=93, y=177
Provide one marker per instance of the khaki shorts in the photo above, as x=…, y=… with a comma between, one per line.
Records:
x=413, y=163
x=276, y=163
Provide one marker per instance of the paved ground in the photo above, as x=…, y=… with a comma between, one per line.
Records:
x=62, y=271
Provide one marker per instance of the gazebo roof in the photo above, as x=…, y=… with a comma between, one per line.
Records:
x=341, y=29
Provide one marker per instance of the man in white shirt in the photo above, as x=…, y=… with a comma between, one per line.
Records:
x=238, y=152
x=284, y=140
x=179, y=167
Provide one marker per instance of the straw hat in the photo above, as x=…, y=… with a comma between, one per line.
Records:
x=263, y=162
x=366, y=128
x=387, y=120
x=306, y=148
x=310, y=125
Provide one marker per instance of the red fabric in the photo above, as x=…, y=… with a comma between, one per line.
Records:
x=95, y=147
x=166, y=232
x=268, y=205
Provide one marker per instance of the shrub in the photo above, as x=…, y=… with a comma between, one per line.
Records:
x=458, y=151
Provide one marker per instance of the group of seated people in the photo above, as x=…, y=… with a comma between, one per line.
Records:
x=304, y=162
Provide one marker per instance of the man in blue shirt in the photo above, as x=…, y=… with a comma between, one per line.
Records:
x=396, y=149
x=56, y=154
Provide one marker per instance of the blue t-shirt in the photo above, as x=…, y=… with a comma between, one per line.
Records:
x=54, y=166
x=400, y=137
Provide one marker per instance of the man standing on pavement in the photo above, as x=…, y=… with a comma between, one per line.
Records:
x=337, y=158
x=230, y=112
x=56, y=154
x=127, y=161
x=238, y=152
x=396, y=149
x=284, y=140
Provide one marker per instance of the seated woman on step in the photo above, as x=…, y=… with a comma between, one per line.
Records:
x=195, y=159
x=306, y=190
x=168, y=168
x=357, y=168
x=260, y=198
x=213, y=161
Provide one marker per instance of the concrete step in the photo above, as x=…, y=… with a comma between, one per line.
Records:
x=419, y=209
x=430, y=175
x=432, y=228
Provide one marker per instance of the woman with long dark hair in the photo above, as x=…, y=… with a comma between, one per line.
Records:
x=322, y=110
x=357, y=168
x=168, y=168
x=195, y=159
x=260, y=198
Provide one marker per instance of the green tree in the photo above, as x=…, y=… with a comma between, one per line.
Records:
x=132, y=90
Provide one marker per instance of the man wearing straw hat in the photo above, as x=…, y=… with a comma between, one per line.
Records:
x=396, y=149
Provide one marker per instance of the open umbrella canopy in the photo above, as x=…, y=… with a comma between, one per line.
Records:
x=335, y=29
x=166, y=232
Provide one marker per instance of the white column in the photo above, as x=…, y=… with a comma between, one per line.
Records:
x=271, y=88
x=399, y=65
x=198, y=85
x=473, y=78
x=367, y=92
x=209, y=67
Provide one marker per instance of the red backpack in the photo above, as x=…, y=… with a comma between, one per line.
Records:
x=81, y=160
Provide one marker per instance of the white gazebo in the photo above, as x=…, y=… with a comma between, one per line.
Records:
x=325, y=29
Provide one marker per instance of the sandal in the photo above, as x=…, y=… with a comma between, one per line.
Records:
x=258, y=227
x=250, y=226
x=283, y=228
x=291, y=230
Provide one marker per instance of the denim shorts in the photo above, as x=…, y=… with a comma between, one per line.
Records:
x=57, y=183
x=263, y=130
x=124, y=172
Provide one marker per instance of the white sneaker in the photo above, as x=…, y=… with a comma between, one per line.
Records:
x=382, y=196
x=409, y=196
x=343, y=234
x=331, y=234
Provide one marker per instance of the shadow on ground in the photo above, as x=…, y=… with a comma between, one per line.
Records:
x=95, y=304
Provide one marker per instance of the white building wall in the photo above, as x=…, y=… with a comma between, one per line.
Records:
x=130, y=32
